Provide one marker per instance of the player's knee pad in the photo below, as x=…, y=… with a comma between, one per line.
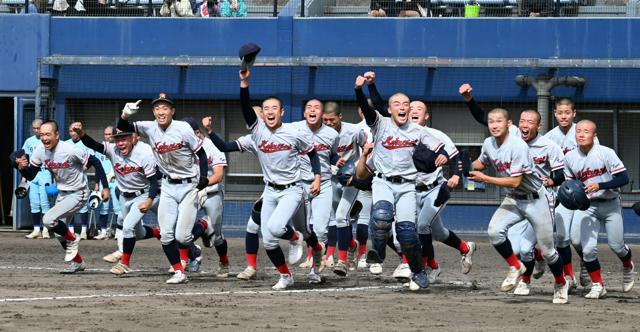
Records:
x=256, y=209
x=382, y=218
x=406, y=233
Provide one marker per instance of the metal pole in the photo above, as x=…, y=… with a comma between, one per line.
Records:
x=301, y=8
x=150, y=10
x=275, y=8
x=543, y=108
x=26, y=6
x=37, y=112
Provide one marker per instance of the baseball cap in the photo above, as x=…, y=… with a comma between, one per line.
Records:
x=192, y=122
x=424, y=159
x=248, y=53
x=163, y=98
x=119, y=133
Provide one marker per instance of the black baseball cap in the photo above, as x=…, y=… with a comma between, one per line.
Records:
x=163, y=98
x=192, y=122
x=248, y=53
x=119, y=133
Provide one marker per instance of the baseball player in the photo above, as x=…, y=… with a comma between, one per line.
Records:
x=114, y=204
x=278, y=147
x=135, y=173
x=81, y=219
x=603, y=174
x=350, y=140
x=526, y=199
x=38, y=199
x=365, y=198
x=394, y=183
x=67, y=164
x=175, y=148
x=427, y=189
x=214, y=202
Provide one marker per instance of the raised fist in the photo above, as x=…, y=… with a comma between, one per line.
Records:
x=130, y=109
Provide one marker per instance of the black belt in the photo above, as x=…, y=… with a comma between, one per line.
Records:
x=132, y=194
x=602, y=199
x=179, y=181
x=281, y=186
x=524, y=196
x=394, y=179
x=427, y=187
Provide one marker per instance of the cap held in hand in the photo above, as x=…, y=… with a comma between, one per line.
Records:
x=248, y=53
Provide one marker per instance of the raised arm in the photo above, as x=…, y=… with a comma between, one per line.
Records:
x=370, y=114
x=378, y=102
x=250, y=117
x=478, y=113
x=221, y=144
x=86, y=139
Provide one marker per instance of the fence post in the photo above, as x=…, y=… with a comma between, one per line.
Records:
x=275, y=8
x=26, y=6
x=150, y=10
x=301, y=8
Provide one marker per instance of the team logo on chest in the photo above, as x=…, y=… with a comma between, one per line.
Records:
x=321, y=147
x=539, y=160
x=586, y=174
x=566, y=149
x=126, y=169
x=502, y=167
x=52, y=165
x=270, y=147
x=344, y=148
x=163, y=148
x=392, y=143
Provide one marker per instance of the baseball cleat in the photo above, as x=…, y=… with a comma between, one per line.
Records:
x=362, y=262
x=286, y=280
x=207, y=236
x=375, y=268
x=628, y=278
x=316, y=258
x=248, y=273
x=597, y=291
x=538, y=269
x=178, y=278
x=522, y=289
x=223, y=270
x=512, y=278
x=33, y=235
x=434, y=274
x=73, y=267
x=296, y=249
x=352, y=258
x=113, y=257
x=561, y=293
x=402, y=271
x=585, y=280
x=340, y=269
x=419, y=281
x=308, y=263
x=83, y=234
x=45, y=233
x=327, y=262
x=120, y=269
x=313, y=277
x=72, y=249
x=373, y=257
x=102, y=236
x=465, y=260
x=172, y=271
x=195, y=262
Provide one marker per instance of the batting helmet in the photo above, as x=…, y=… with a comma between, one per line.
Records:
x=636, y=208
x=572, y=195
x=22, y=190
x=94, y=200
x=255, y=211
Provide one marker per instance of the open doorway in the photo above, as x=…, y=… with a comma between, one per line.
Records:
x=7, y=131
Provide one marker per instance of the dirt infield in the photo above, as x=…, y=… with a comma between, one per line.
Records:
x=34, y=296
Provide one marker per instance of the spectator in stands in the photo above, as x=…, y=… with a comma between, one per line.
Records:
x=233, y=8
x=32, y=8
x=398, y=8
x=208, y=9
x=176, y=8
x=60, y=5
x=536, y=8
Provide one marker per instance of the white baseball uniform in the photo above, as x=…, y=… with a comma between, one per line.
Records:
x=214, y=204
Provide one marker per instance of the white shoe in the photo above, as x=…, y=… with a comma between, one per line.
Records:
x=307, y=264
x=120, y=269
x=512, y=278
x=102, y=235
x=33, y=235
x=113, y=257
x=628, y=278
x=178, y=278
x=402, y=271
x=171, y=270
x=561, y=293
x=362, y=262
x=522, y=289
x=83, y=234
x=72, y=249
x=45, y=233
x=327, y=262
x=248, y=273
x=465, y=261
x=585, y=280
x=313, y=277
x=375, y=268
x=597, y=291
x=434, y=274
x=538, y=269
x=296, y=249
x=285, y=281
x=223, y=270
x=73, y=267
